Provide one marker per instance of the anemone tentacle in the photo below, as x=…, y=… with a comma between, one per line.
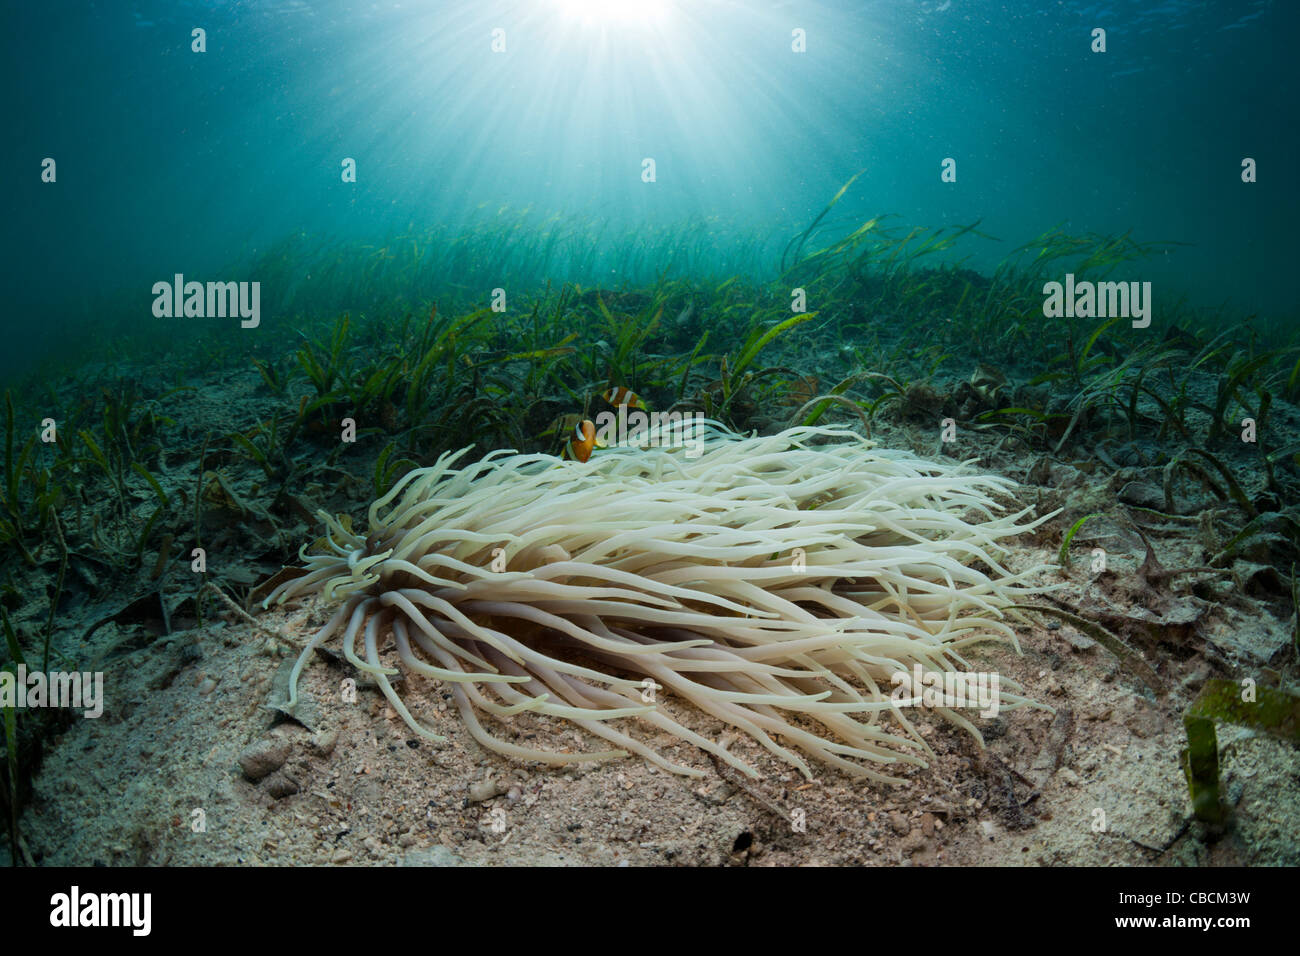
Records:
x=784, y=585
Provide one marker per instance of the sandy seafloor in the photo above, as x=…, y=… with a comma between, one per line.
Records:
x=1096, y=783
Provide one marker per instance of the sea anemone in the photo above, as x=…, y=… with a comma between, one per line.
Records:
x=775, y=583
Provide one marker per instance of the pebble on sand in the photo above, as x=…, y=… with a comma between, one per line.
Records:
x=484, y=790
x=263, y=757
x=280, y=785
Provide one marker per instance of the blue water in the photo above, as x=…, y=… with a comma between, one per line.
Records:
x=170, y=160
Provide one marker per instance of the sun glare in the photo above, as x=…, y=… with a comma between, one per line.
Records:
x=616, y=13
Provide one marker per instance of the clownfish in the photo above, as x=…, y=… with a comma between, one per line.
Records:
x=578, y=448
x=623, y=396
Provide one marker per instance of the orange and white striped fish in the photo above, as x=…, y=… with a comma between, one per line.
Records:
x=578, y=447
x=623, y=396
